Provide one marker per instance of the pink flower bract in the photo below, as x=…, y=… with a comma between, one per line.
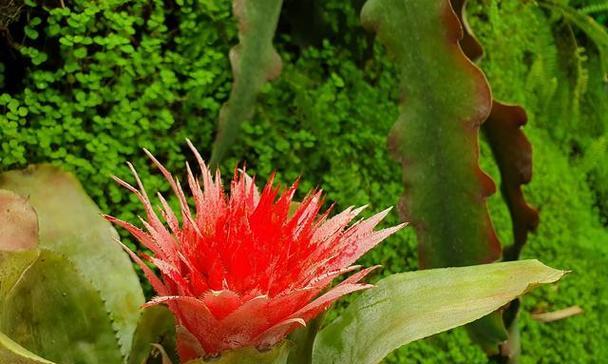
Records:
x=248, y=267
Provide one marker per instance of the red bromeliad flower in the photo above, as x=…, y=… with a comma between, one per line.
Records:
x=244, y=270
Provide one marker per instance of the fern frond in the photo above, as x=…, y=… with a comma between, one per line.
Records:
x=598, y=7
x=580, y=86
x=596, y=32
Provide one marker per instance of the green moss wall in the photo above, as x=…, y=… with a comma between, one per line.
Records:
x=93, y=83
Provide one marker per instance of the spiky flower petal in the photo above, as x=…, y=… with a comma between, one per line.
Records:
x=242, y=269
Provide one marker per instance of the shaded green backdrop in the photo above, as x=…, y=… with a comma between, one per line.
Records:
x=87, y=86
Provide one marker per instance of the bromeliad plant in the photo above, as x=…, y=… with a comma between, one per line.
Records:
x=242, y=271
x=244, y=275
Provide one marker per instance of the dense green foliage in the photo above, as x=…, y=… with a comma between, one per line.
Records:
x=86, y=86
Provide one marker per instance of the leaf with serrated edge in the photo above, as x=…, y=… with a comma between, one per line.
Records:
x=156, y=325
x=410, y=306
x=71, y=225
x=54, y=312
x=510, y=147
x=13, y=266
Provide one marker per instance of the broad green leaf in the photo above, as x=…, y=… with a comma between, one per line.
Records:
x=254, y=61
x=13, y=265
x=436, y=137
x=57, y=314
x=249, y=355
x=411, y=306
x=511, y=149
x=71, y=225
x=445, y=100
x=13, y=353
x=513, y=155
x=156, y=326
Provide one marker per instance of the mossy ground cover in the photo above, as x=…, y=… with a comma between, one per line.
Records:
x=95, y=82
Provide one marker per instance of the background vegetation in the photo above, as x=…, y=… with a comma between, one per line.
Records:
x=88, y=84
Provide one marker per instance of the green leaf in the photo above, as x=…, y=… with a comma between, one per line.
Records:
x=303, y=339
x=30, y=32
x=513, y=155
x=411, y=306
x=254, y=61
x=12, y=267
x=249, y=355
x=162, y=353
x=446, y=98
x=13, y=353
x=80, y=52
x=22, y=111
x=57, y=314
x=71, y=225
x=436, y=137
x=511, y=149
x=38, y=58
x=156, y=326
x=489, y=333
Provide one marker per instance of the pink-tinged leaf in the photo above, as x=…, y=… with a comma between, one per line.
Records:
x=18, y=223
x=70, y=225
